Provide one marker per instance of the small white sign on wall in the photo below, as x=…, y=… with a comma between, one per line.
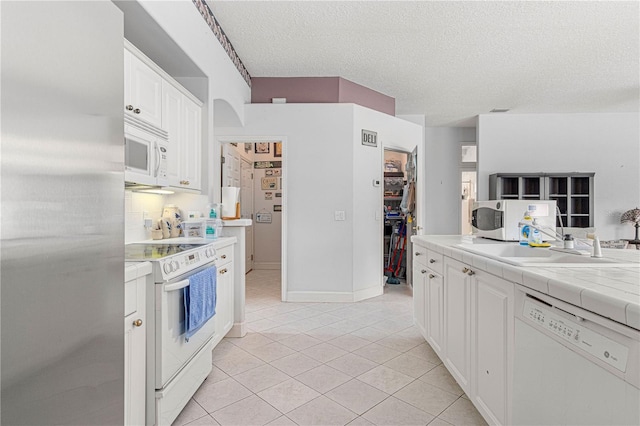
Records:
x=263, y=217
x=369, y=138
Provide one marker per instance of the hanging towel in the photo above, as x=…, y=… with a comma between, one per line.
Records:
x=199, y=300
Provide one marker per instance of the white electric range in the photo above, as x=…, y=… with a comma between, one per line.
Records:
x=175, y=367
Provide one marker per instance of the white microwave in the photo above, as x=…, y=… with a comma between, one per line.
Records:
x=146, y=154
x=499, y=219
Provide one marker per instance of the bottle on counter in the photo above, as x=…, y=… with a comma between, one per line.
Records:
x=535, y=236
x=524, y=229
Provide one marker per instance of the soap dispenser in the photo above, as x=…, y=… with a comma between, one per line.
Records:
x=535, y=237
x=524, y=229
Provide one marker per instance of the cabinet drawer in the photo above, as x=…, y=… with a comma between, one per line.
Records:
x=225, y=255
x=420, y=255
x=434, y=261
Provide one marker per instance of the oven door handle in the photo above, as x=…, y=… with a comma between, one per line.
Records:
x=176, y=286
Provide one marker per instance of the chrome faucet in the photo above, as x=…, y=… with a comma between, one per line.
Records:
x=597, y=250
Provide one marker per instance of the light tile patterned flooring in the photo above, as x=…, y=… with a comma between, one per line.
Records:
x=358, y=363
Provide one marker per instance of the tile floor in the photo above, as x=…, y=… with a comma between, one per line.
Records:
x=327, y=364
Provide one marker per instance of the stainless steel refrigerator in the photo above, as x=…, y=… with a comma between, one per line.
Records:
x=62, y=214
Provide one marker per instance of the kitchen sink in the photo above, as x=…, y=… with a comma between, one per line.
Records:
x=517, y=255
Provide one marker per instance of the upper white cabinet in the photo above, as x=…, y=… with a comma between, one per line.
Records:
x=182, y=119
x=154, y=96
x=142, y=90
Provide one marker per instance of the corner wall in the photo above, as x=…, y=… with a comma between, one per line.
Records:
x=607, y=144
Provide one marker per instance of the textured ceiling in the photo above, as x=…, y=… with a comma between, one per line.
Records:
x=450, y=60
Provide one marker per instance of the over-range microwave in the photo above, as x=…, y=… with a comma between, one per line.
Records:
x=499, y=219
x=146, y=153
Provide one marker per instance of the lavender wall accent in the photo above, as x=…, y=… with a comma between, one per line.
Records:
x=311, y=90
x=353, y=93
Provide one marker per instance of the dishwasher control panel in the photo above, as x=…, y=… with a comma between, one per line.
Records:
x=595, y=344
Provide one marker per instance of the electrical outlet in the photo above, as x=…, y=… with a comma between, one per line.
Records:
x=339, y=215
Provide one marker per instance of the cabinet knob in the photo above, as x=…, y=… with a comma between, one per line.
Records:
x=471, y=272
x=137, y=322
x=129, y=107
x=223, y=271
x=136, y=111
x=184, y=182
x=224, y=256
x=424, y=271
x=432, y=276
x=418, y=253
x=465, y=270
x=432, y=261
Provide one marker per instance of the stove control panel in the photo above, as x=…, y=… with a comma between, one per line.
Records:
x=181, y=263
x=579, y=336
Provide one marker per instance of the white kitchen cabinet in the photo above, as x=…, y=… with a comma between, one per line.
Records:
x=142, y=90
x=191, y=146
x=491, y=344
x=135, y=327
x=434, y=317
x=182, y=119
x=225, y=290
x=419, y=270
x=457, y=321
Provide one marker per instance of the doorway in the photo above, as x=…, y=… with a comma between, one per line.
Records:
x=468, y=184
x=256, y=165
x=399, y=195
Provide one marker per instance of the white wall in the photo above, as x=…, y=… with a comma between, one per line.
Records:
x=442, y=178
x=607, y=144
x=368, y=199
x=327, y=170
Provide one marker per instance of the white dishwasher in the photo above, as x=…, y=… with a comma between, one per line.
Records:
x=571, y=366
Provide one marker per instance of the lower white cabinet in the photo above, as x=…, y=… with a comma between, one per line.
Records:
x=434, y=317
x=135, y=326
x=491, y=345
x=225, y=293
x=457, y=321
x=467, y=316
x=419, y=296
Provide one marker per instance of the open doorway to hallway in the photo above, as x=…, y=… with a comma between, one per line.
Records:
x=256, y=166
x=468, y=187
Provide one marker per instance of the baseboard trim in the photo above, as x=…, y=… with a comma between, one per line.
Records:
x=267, y=265
x=368, y=293
x=237, y=330
x=333, y=296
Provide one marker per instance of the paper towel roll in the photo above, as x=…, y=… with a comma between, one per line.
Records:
x=230, y=203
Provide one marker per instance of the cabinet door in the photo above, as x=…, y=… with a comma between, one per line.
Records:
x=171, y=122
x=224, y=301
x=145, y=91
x=419, y=306
x=492, y=340
x=434, y=321
x=134, y=358
x=190, y=158
x=457, y=322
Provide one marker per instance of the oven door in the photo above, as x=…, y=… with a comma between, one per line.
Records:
x=173, y=352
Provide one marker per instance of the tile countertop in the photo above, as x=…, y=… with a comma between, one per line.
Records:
x=612, y=292
x=133, y=270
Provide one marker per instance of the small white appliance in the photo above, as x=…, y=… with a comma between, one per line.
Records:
x=571, y=366
x=175, y=367
x=146, y=155
x=499, y=219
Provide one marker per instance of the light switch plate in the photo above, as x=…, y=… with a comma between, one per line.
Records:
x=339, y=215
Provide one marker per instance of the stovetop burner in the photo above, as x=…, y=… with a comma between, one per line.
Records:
x=133, y=252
